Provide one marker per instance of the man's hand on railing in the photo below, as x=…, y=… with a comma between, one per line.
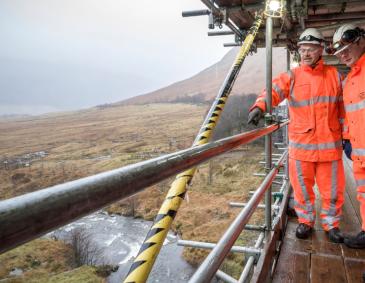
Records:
x=347, y=148
x=254, y=116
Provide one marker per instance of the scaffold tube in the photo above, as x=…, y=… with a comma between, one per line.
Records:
x=28, y=216
x=210, y=265
x=142, y=265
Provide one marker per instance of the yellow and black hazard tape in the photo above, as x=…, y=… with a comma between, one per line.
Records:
x=149, y=250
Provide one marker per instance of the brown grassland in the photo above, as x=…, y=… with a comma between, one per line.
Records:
x=87, y=142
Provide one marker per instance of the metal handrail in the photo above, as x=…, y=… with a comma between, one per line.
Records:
x=28, y=216
x=251, y=259
x=210, y=265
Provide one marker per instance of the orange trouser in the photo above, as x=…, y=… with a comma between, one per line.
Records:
x=359, y=174
x=330, y=180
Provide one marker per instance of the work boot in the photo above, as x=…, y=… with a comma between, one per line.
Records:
x=356, y=242
x=335, y=235
x=303, y=231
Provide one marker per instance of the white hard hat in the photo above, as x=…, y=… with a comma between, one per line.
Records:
x=341, y=41
x=311, y=35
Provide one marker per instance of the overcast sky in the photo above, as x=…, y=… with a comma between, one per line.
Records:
x=71, y=54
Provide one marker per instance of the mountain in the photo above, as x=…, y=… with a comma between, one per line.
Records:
x=205, y=85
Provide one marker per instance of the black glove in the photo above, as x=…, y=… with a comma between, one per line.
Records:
x=347, y=148
x=254, y=116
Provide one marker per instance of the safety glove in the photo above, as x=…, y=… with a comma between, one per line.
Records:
x=347, y=148
x=254, y=116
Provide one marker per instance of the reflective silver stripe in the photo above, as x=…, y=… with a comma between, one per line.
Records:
x=313, y=100
x=329, y=220
x=309, y=217
x=331, y=215
x=345, y=128
x=279, y=91
x=320, y=146
x=333, y=201
x=360, y=182
x=304, y=207
x=292, y=79
x=358, y=151
x=323, y=99
x=356, y=106
x=302, y=184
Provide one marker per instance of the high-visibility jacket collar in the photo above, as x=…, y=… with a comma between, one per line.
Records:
x=357, y=65
x=317, y=68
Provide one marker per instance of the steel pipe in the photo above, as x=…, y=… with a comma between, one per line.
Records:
x=251, y=260
x=225, y=277
x=28, y=216
x=210, y=246
x=215, y=258
x=255, y=228
x=263, y=175
x=231, y=44
x=223, y=32
x=195, y=13
x=243, y=204
x=215, y=10
x=268, y=104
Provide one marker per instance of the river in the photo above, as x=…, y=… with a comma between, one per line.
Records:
x=120, y=238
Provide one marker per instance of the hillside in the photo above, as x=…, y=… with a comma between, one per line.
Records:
x=205, y=85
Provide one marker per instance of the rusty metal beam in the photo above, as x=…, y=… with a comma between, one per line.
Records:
x=336, y=16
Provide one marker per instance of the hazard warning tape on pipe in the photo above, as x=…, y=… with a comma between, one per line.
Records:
x=150, y=248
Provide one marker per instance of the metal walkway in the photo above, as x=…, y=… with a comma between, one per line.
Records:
x=318, y=260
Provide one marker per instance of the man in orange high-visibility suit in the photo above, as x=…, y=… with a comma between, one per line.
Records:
x=314, y=95
x=349, y=43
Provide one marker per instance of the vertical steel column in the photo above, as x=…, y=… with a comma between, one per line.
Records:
x=151, y=246
x=268, y=100
x=285, y=130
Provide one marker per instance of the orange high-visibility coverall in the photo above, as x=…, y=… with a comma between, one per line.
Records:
x=315, y=141
x=354, y=100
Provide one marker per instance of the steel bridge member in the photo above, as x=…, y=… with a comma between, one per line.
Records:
x=349, y=45
x=316, y=111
